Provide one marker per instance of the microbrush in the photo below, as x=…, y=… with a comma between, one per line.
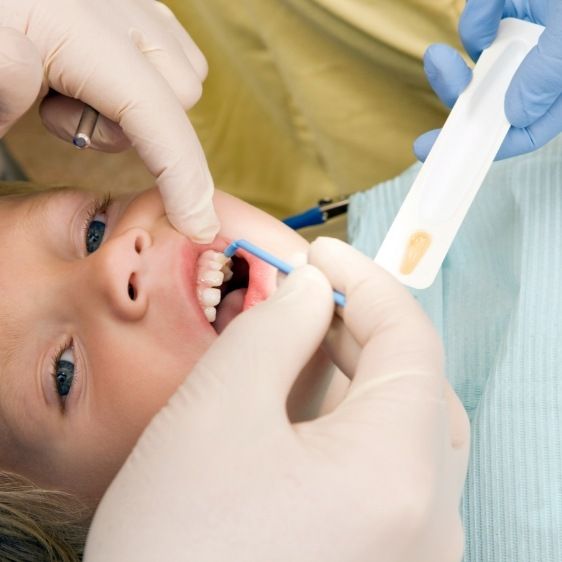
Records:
x=339, y=298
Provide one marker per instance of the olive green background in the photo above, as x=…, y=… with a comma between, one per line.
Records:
x=304, y=99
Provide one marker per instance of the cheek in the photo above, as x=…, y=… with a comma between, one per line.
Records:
x=131, y=379
x=137, y=377
x=127, y=387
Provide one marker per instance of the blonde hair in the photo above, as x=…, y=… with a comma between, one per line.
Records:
x=38, y=525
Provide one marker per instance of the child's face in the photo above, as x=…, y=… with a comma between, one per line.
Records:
x=121, y=326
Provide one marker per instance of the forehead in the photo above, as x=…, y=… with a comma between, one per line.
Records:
x=23, y=216
x=31, y=228
x=30, y=231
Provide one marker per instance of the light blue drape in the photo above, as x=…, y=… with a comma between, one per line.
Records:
x=497, y=303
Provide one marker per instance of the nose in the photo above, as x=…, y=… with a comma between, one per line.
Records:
x=116, y=272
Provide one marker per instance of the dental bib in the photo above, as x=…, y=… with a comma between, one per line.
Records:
x=497, y=303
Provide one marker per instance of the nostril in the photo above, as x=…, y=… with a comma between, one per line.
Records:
x=131, y=290
x=139, y=244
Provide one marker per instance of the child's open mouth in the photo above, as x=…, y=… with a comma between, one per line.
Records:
x=226, y=287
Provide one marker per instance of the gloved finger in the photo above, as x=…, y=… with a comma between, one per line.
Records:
x=61, y=116
x=261, y=352
x=478, y=25
x=190, y=49
x=342, y=347
x=399, y=382
x=424, y=143
x=537, y=83
x=22, y=76
x=446, y=72
x=171, y=62
x=544, y=129
x=379, y=312
x=154, y=121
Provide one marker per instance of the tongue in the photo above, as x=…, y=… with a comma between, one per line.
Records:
x=230, y=307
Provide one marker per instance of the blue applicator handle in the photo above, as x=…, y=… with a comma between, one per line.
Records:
x=339, y=298
x=311, y=217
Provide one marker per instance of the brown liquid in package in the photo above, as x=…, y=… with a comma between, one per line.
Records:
x=417, y=247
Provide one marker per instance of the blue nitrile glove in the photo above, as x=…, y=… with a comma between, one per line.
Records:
x=533, y=104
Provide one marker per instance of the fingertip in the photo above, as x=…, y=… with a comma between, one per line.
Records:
x=201, y=228
x=424, y=143
x=469, y=44
x=520, y=110
x=478, y=25
x=298, y=259
x=309, y=289
x=446, y=72
x=310, y=276
x=518, y=116
x=419, y=149
x=434, y=54
x=206, y=234
x=339, y=261
x=325, y=243
x=331, y=255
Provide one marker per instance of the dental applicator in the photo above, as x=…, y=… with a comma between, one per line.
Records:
x=434, y=209
x=339, y=298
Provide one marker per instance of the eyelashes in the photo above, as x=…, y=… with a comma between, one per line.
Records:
x=98, y=207
x=62, y=379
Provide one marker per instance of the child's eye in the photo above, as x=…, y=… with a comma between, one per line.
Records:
x=94, y=233
x=64, y=372
x=94, y=227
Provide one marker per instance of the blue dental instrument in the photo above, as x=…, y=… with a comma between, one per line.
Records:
x=323, y=212
x=339, y=298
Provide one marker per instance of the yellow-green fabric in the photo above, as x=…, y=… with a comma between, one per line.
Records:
x=313, y=98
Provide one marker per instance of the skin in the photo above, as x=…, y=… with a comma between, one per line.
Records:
x=129, y=355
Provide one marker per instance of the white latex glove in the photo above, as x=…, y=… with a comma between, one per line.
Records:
x=221, y=474
x=133, y=62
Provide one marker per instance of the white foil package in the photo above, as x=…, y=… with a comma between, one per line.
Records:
x=432, y=213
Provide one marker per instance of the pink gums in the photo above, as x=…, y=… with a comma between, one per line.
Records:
x=262, y=281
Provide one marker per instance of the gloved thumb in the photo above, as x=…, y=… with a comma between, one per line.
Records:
x=446, y=72
x=538, y=81
x=21, y=76
x=261, y=352
x=424, y=143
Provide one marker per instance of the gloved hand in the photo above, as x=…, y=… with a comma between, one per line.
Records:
x=133, y=62
x=221, y=474
x=533, y=102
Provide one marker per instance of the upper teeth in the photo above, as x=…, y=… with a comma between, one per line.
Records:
x=213, y=270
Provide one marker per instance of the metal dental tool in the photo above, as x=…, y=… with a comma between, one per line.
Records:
x=83, y=136
x=323, y=212
x=339, y=298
